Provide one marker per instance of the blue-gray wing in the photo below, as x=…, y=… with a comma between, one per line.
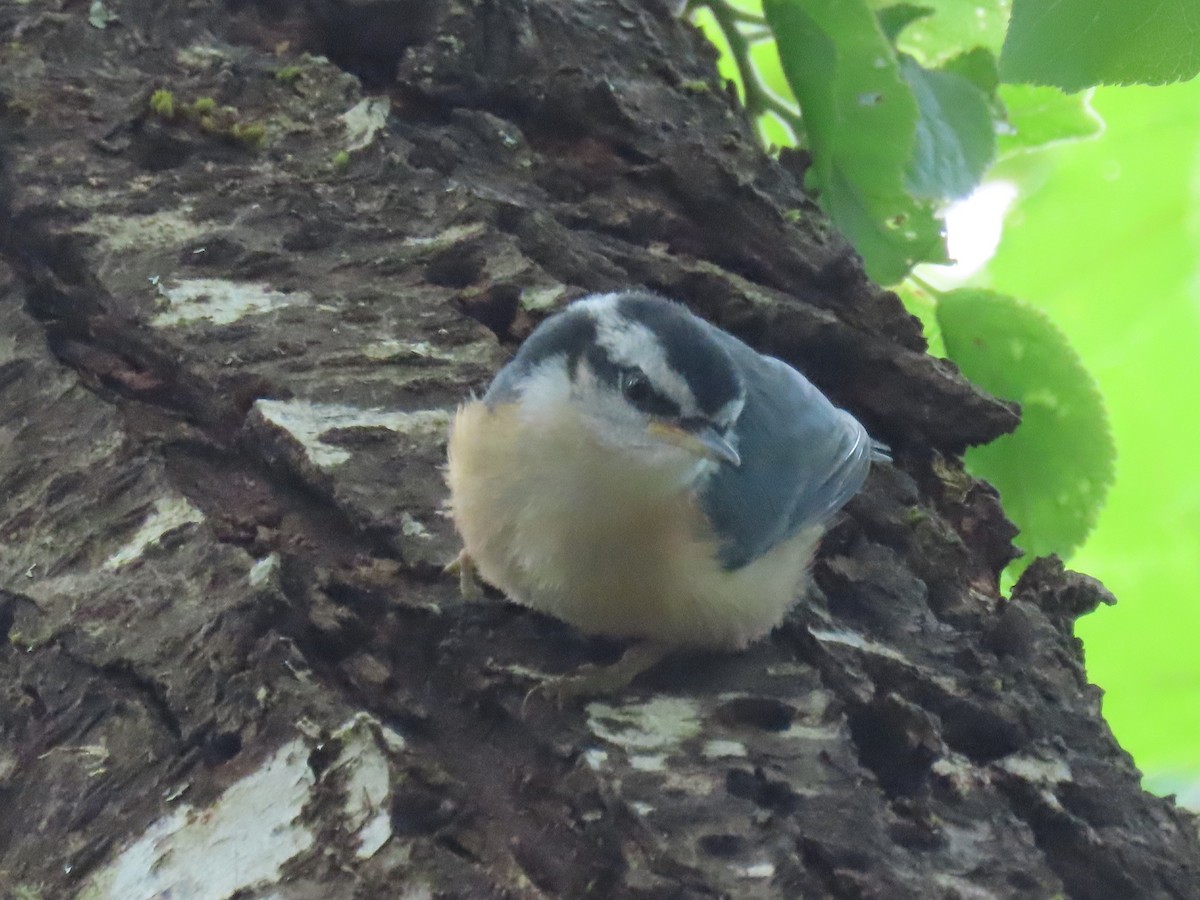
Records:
x=802, y=459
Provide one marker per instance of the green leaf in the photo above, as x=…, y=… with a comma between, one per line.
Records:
x=955, y=26
x=860, y=117
x=1074, y=44
x=955, y=140
x=979, y=67
x=894, y=19
x=1026, y=116
x=1036, y=116
x=1054, y=471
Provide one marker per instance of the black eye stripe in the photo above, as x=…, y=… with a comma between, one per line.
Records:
x=691, y=350
x=695, y=423
x=635, y=386
x=637, y=389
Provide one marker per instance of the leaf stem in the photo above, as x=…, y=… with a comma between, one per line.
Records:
x=935, y=293
x=759, y=99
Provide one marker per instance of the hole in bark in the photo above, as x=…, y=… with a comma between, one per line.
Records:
x=457, y=267
x=495, y=310
x=323, y=755
x=368, y=39
x=890, y=743
x=221, y=747
x=776, y=796
x=156, y=149
x=419, y=809
x=979, y=733
x=722, y=845
x=765, y=713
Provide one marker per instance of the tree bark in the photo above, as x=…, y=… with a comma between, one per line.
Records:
x=243, y=288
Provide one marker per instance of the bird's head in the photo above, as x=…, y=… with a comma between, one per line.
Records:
x=645, y=377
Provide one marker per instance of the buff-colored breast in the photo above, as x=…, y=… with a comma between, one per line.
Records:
x=561, y=523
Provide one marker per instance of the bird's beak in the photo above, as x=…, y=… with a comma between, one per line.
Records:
x=703, y=442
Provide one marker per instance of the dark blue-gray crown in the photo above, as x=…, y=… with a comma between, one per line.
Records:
x=593, y=329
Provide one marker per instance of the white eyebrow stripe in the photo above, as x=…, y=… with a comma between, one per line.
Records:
x=729, y=413
x=631, y=343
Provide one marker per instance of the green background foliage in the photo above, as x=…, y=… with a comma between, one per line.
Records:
x=1078, y=43
x=1104, y=238
x=1100, y=249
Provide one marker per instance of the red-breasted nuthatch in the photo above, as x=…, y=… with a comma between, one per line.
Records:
x=640, y=473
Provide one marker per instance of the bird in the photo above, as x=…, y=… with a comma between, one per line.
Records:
x=640, y=473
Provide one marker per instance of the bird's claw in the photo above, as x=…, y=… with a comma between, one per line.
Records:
x=591, y=681
x=470, y=587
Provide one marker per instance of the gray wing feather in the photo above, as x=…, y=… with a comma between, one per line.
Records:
x=802, y=459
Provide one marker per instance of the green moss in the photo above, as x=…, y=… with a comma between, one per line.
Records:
x=204, y=115
x=162, y=102
x=288, y=74
x=251, y=134
x=340, y=160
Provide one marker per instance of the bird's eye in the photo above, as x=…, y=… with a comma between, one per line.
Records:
x=636, y=387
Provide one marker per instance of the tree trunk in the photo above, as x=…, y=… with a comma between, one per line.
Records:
x=243, y=290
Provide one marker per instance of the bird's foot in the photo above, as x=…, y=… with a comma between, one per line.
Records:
x=601, y=681
x=470, y=587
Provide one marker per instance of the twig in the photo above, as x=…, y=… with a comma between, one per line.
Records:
x=759, y=99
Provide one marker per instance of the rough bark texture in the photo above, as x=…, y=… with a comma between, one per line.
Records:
x=231, y=660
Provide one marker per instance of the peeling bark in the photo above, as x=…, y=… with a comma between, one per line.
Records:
x=231, y=659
